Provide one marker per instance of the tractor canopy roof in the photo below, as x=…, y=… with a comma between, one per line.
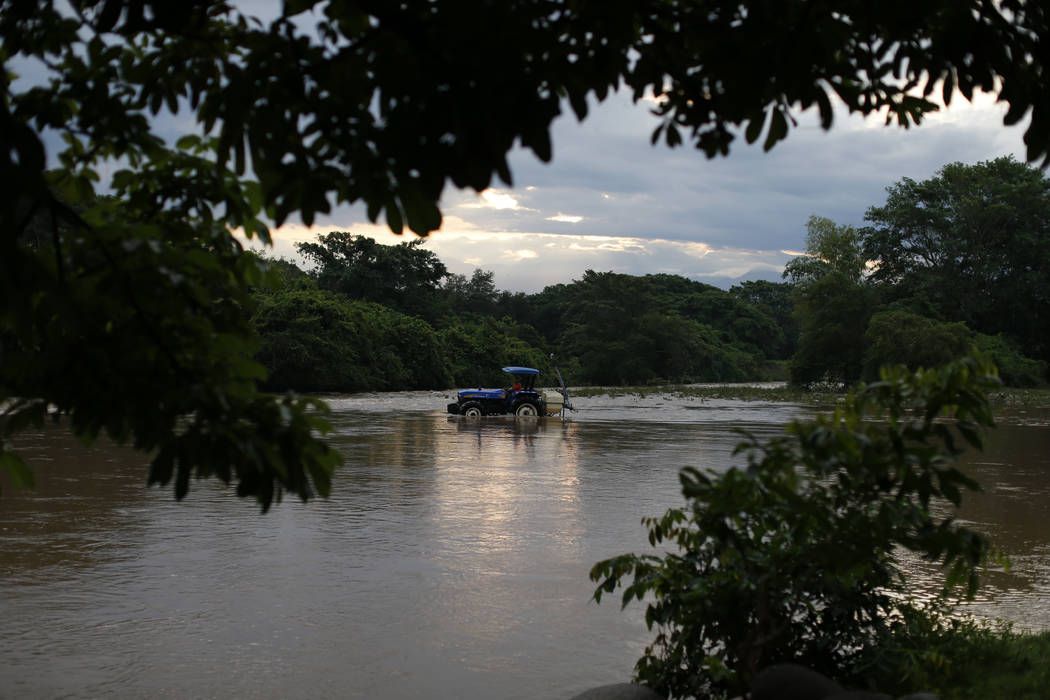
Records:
x=526, y=376
x=520, y=370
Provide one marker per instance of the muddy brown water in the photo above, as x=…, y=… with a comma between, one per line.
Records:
x=450, y=561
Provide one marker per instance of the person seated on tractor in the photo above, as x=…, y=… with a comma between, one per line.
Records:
x=517, y=386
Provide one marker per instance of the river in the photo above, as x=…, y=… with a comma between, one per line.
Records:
x=450, y=561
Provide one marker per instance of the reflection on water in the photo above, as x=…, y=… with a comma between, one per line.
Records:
x=1014, y=509
x=451, y=559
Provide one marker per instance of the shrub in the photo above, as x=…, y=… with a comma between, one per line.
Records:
x=792, y=557
x=1014, y=368
x=935, y=648
x=904, y=338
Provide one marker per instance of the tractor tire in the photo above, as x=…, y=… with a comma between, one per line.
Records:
x=527, y=409
x=471, y=409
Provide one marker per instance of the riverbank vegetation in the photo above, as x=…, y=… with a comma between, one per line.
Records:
x=956, y=657
x=793, y=557
x=957, y=261
x=818, y=396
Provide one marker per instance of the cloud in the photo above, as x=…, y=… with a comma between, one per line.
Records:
x=495, y=199
x=530, y=261
x=611, y=201
x=520, y=254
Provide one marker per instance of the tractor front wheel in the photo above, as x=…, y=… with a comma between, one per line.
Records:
x=471, y=409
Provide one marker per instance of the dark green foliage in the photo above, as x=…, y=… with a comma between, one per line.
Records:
x=655, y=347
x=967, y=251
x=478, y=294
x=404, y=277
x=971, y=244
x=139, y=328
x=832, y=305
x=317, y=341
x=833, y=314
x=322, y=341
x=774, y=300
x=937, y=650
x=477, y=348
x=285, y=274
x=630, y=330
x=902, y=338
x=1014, y=368
x=792, y=558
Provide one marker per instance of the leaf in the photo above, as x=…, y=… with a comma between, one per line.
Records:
x=948, y=88
x=295, y=7
x=21, y=475
x=540, y=143
x=824, y=105
x=109, y=15
x=754, y=128
x=672, y=136
x=656, y=134
x=778, y=129
x=393, y=217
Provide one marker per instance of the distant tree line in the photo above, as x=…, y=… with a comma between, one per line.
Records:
x=959, y=260
x=367, y=316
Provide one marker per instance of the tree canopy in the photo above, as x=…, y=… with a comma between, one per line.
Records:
x=961, y=258
x=404, y=277
x=126, y=311
x=967, y=245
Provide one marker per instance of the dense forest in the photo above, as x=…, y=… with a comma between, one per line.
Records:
x=958, y=260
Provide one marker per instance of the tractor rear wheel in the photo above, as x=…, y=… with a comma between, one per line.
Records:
x=526, y=408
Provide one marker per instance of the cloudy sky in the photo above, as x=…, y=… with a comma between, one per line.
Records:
x=611, y=201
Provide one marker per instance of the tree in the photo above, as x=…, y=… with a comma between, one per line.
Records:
x=314, y=340
x=477, y=348
x=404, y=277
x=832, y=304
x=774, y=300
x=968, y=244
x=478, y=294
x=830, y=247
x=627, y=329
x=376, y=102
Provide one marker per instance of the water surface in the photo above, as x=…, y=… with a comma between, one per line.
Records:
x=450, y=561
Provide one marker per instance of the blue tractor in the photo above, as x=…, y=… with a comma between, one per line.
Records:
x=521, y=399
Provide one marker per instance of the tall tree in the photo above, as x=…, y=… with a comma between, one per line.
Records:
x=405, y=277
x=832, y=304
x=971, y=244
x=376, y=102
x=477, y=294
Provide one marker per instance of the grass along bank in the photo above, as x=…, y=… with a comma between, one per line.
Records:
x=959, y=658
